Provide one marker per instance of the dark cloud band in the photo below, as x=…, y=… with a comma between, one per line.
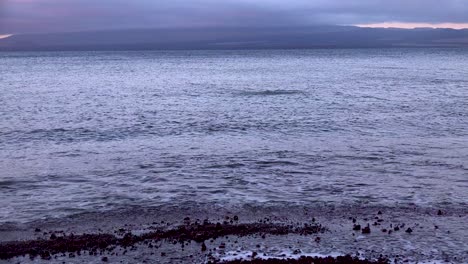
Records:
x=17, y=16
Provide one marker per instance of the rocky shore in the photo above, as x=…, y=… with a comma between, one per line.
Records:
x=301, y=236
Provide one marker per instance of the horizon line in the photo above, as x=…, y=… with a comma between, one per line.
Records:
x=385, y=25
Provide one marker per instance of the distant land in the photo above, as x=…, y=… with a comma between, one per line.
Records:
x=238, y=38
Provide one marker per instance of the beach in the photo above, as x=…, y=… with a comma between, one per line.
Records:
x=399, y=235
x=146, y=156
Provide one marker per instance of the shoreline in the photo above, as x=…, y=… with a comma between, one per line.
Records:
x=168, y=235
x=190, y=231
x=102, y=245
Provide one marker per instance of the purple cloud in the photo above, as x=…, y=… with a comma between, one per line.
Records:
x=21, y=16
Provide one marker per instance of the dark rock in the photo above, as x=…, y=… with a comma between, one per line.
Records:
x=409, y=230
x=357, y=227
x=105, y=259
x=45, y=255
x=439, y=212
x=203, y=247
x=366, y=230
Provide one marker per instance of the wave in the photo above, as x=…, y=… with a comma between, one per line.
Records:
x=270, y=92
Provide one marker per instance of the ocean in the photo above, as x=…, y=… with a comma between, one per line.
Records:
x=90, y=131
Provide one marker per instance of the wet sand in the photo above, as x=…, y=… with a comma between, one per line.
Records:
x=248, y=234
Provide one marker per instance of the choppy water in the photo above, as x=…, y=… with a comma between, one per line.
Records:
x=84, y=131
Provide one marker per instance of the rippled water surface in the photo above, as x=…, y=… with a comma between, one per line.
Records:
x=84, y=131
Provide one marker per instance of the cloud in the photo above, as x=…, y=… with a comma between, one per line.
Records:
x=17, y=16
x=414, y=25
x=4, y=36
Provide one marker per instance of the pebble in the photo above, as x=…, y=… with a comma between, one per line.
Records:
x=366, y=230
x=203, y=247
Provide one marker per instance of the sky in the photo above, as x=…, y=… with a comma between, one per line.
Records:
x=43, y=16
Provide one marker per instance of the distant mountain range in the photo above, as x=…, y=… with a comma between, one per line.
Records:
x=238, y=38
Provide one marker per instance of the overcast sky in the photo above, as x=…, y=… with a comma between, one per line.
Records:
x=30, y=16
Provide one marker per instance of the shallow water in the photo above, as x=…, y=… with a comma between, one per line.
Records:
x=91, y=131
